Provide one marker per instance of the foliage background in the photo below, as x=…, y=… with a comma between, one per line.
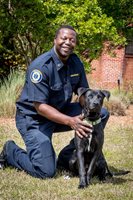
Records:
x=28, y=27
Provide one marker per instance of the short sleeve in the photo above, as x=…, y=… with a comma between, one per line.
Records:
x=38, y=86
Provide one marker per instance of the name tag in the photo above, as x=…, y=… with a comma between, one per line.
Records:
x=73, y=75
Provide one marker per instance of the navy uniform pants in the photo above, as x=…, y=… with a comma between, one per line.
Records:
x=39, y=158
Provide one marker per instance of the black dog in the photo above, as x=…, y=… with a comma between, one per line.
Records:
x=88, y=159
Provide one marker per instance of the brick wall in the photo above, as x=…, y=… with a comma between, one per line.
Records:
x=107, y=70
x=128, y=69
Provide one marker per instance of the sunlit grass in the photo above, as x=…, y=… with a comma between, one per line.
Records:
x=16, y=185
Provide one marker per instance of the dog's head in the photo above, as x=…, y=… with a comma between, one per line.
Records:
x=92, y=101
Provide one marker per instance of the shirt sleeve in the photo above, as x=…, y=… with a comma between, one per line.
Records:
x=38, y=85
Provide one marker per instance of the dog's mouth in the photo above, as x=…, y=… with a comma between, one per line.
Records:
x=92, y=114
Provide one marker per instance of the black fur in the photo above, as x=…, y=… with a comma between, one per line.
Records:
x=84, y=162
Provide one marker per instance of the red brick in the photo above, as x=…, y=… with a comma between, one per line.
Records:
x=107, y=70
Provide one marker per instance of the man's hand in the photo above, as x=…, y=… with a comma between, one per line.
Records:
x=81, y=128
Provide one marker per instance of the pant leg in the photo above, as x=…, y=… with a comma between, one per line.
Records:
x=73, y=109
x=66, y=153
x=39, y=159
x=104, y=116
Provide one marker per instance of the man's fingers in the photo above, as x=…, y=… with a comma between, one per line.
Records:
x=81, y=133
x=84, y=122
x=86, y=126
x=87, y=129
x=81, y=116
x=83, y=127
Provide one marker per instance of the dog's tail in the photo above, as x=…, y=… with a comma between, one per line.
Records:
x=119, y=173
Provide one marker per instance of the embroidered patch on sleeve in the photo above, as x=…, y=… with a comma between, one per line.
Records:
x=36, y=76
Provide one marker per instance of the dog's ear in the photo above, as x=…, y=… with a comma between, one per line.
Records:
x=81, y=91
x=106, y=93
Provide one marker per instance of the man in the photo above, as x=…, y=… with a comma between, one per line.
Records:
x=45, y=107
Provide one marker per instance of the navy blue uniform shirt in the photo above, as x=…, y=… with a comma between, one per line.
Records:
x=49, y=81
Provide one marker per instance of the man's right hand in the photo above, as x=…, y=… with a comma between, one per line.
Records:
x=81, y=128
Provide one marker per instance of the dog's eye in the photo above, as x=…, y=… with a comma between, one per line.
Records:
x=99, y=96
x=90, y=96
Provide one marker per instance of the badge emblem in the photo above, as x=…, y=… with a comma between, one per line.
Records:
x=36, y=76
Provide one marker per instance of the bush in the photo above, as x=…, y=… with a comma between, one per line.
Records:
x=120, y=100
x=128, y=91
x=10, y=89
x=10, y=61
x=115, y=106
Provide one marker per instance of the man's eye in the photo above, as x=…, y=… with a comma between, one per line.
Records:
x=64, y=38
x=73, y=41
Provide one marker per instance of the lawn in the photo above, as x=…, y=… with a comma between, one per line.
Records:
x=118, y=148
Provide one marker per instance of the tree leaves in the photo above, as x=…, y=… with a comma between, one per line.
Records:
x=28, y=27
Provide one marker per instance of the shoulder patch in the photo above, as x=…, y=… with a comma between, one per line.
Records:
x=36, y=76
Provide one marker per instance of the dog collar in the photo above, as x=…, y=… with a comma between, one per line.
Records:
x=92, y=122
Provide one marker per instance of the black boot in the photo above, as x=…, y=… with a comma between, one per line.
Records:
x=3, y=155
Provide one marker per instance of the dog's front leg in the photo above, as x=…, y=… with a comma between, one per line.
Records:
x=92, y=166
x=79, y=143
x=81, y=168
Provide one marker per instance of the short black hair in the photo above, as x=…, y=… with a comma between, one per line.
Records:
x=64, y=26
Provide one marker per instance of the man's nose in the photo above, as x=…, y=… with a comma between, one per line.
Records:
x=67, y=41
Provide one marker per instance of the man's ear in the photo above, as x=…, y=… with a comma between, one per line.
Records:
x=81, y=91
x=106, y=93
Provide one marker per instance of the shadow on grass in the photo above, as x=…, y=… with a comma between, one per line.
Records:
x=117, y=179
x=118, y=175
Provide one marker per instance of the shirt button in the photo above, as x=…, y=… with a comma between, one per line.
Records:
x=59, y=64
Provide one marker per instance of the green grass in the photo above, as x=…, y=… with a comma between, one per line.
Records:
x=9, y=92
x=118, y=148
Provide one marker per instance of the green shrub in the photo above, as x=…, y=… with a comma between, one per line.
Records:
x=10, y=89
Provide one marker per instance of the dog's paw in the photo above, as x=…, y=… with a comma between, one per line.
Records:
x=82, y=183
x=82, y=186
x=102, y=179
x=88, y=180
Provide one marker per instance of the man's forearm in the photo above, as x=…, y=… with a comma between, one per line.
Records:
x=52, y=114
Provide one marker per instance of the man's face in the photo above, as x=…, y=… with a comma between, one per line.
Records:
x=65, y=43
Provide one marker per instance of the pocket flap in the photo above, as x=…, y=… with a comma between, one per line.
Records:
x=56, y=87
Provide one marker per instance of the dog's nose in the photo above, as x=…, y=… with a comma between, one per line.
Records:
x=96, y=103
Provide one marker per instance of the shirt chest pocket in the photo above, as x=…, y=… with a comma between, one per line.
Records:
x=57, y=95
x=74, y=79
